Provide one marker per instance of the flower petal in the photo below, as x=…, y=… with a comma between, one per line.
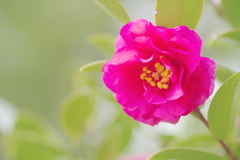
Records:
x=143, y=53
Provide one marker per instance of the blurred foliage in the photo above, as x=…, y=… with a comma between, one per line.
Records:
x=223, y=73
x=34, y=138
x=114, y=8
x=75, y=113
x=42, y=44
x=226, y=104
x=94, y=66
x=184, y=154
x=230, y=38
x=173, y=13
x=103, y=42
x=232, y=11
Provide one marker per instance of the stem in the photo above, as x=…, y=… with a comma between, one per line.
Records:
x=225, y=147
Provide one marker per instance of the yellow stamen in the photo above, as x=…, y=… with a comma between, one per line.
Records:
x=165, y=86
x=143, y=75
x=148, y=71
x=160, y=76
x=144, y=68
x=156, y=65
x=165, y=73
x=155, y=75
x=160, y=85
x=165, y=80
x=160, y=68
x=153, y=84
x=149, y=80
x=161, y=57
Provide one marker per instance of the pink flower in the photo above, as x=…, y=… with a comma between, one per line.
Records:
x=157, y=73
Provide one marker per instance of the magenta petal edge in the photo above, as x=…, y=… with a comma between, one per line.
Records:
x=157, y=73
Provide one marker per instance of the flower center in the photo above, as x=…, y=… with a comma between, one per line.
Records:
x=159, y=76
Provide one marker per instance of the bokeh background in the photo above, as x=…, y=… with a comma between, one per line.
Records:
x=43, y=43
x=42, y=46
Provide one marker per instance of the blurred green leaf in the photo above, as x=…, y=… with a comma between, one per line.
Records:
x=94, y=66
x=235, y=35
x=103, y=42
x=126, y=120
x=33, y=138
x=184, y=154
x=172, y=13
x=116, y=139
x=232, y=11
x=224, y=106
x=32, y=150
x=75, y=112
x=45, y=54
x=236, y=150
x=114, y=143
x=223, y=73
x=31, y=121
x=205, y=141
x=166, y=140
x=229, y=38
x=114, y=8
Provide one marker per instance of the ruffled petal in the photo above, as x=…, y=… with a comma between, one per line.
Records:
x=119, y=43
x=203, y=79
x=186, y=40
x=134, y=71
x=144, y=115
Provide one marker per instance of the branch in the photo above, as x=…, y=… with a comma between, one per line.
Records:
x=205, y=122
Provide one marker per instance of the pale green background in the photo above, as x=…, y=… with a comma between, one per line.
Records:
x=43, y=43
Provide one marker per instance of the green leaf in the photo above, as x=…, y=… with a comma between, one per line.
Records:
x=166, y=140
x=75, y=112
x=31, y=121
x=35, y=139
x=171, y=13
x=29, y=150
x=206, y=141
x=114, y=143
x=235, y=35
x=231, y=38
x=223, y=73
x=115, y=9
x=236, y=150
x=232, y=11
x=184, y=154
x=94, y=66
x=224, y=106
x=103, y=42
x=117, y=137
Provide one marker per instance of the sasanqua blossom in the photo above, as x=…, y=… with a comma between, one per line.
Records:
x=157, y=74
